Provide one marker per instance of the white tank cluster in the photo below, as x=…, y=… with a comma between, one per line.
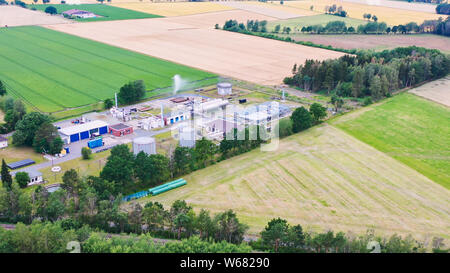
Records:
x=224, y=88
x=144, y=144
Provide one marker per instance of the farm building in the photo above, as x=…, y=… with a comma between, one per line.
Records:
x=35, y=178
x=79, y=13
x=83, y=131
x=120, y=129
x=3, y=142
x=20, y=164
x=224, y=88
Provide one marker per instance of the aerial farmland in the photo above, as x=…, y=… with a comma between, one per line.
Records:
x=225, y=126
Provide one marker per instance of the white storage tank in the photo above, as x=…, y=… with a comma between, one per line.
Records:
x=224, y=88
x=187, y=137
x=144, y=144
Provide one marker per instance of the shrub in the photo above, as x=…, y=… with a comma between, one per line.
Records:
x=86, y=153
x=51, y=10
x=22, y=179
x=367, y=101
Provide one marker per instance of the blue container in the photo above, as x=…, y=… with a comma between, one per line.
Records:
x=98, y=142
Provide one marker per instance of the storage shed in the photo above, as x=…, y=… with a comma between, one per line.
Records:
x=35, y=178
x=120, y=129
x=83, y=131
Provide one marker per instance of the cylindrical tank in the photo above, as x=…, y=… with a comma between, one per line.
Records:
x=224, y=88
x=144, y=144
x=187, y=137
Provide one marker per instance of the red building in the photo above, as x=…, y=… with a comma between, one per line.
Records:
x=120, y=129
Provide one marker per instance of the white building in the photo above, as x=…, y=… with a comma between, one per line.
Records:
x=83, y=131
x=35, y=178
x=3, y=142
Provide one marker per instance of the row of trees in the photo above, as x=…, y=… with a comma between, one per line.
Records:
x=440, y=26
x=279, y=236
x=54, y=238
x=91, y=201
x=252, y=25
x=369, y=16
x=371, y=74
x=443, y=8
x=334, y=10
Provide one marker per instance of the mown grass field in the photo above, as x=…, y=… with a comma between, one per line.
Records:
x=55, y=71
x=12, y=154
x=323, y=179
x=411, y=129
x=106, y=12
x=321, y=19
x=391, y=16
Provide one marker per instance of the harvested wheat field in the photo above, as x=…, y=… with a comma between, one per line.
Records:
x=279, y=12
x=437, y=91
x=172, y=9
x=16, y=16
x=376, y=42
x=322, y=179
x=210, y=19
x=415, y=6
x=390, y=16
x=245, y=57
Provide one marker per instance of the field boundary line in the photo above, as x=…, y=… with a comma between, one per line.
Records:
x=135, y=51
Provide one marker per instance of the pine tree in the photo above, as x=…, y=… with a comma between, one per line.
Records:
x=6, y=176
x=358, y=83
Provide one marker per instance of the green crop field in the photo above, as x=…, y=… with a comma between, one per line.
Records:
x=54, y=71
x=322, y=179
x=412, y=130
x=106, y=12
x=321, y=19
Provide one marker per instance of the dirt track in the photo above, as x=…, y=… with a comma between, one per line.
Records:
x=180, y=40
x=15, y=16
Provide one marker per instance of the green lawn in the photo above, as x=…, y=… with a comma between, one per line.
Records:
x=408, y=128
x=55, y=71
x=106, y=12
x=305, y=21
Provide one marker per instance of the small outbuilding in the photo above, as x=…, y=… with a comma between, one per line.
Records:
x=120, y=129
x=3, y=142
x=35, y=178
